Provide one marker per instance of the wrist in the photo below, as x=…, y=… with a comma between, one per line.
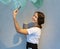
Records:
x=14, y=16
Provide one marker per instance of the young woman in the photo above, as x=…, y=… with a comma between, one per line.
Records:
x=33, y=33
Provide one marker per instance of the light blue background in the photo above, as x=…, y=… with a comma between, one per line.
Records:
x=10, y=39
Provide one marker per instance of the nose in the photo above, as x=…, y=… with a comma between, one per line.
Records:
x=34, y=19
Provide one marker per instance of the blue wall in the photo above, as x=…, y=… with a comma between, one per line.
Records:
x=10, y=39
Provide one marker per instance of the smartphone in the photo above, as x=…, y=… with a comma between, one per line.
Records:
x=19, y=7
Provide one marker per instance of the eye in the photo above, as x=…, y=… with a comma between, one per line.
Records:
x=35, y=16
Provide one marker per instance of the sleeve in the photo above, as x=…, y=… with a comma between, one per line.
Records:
x=31, y=30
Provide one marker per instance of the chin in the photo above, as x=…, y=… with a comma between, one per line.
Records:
x=33, y=21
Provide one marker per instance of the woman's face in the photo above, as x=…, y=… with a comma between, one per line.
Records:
x=34, y=18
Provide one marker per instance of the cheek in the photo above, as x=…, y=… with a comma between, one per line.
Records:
x=34, y=19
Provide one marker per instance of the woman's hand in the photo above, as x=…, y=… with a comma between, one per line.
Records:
x=15, y=12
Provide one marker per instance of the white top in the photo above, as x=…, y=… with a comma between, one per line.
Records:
x=33, y=35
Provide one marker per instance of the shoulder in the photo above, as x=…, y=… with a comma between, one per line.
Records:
x=33, y=30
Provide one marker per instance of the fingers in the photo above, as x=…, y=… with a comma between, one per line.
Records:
x=15, y=12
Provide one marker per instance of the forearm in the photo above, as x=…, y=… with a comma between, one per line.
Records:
x=16, y=25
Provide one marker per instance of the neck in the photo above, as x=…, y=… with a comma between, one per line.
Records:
x=35, y=24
